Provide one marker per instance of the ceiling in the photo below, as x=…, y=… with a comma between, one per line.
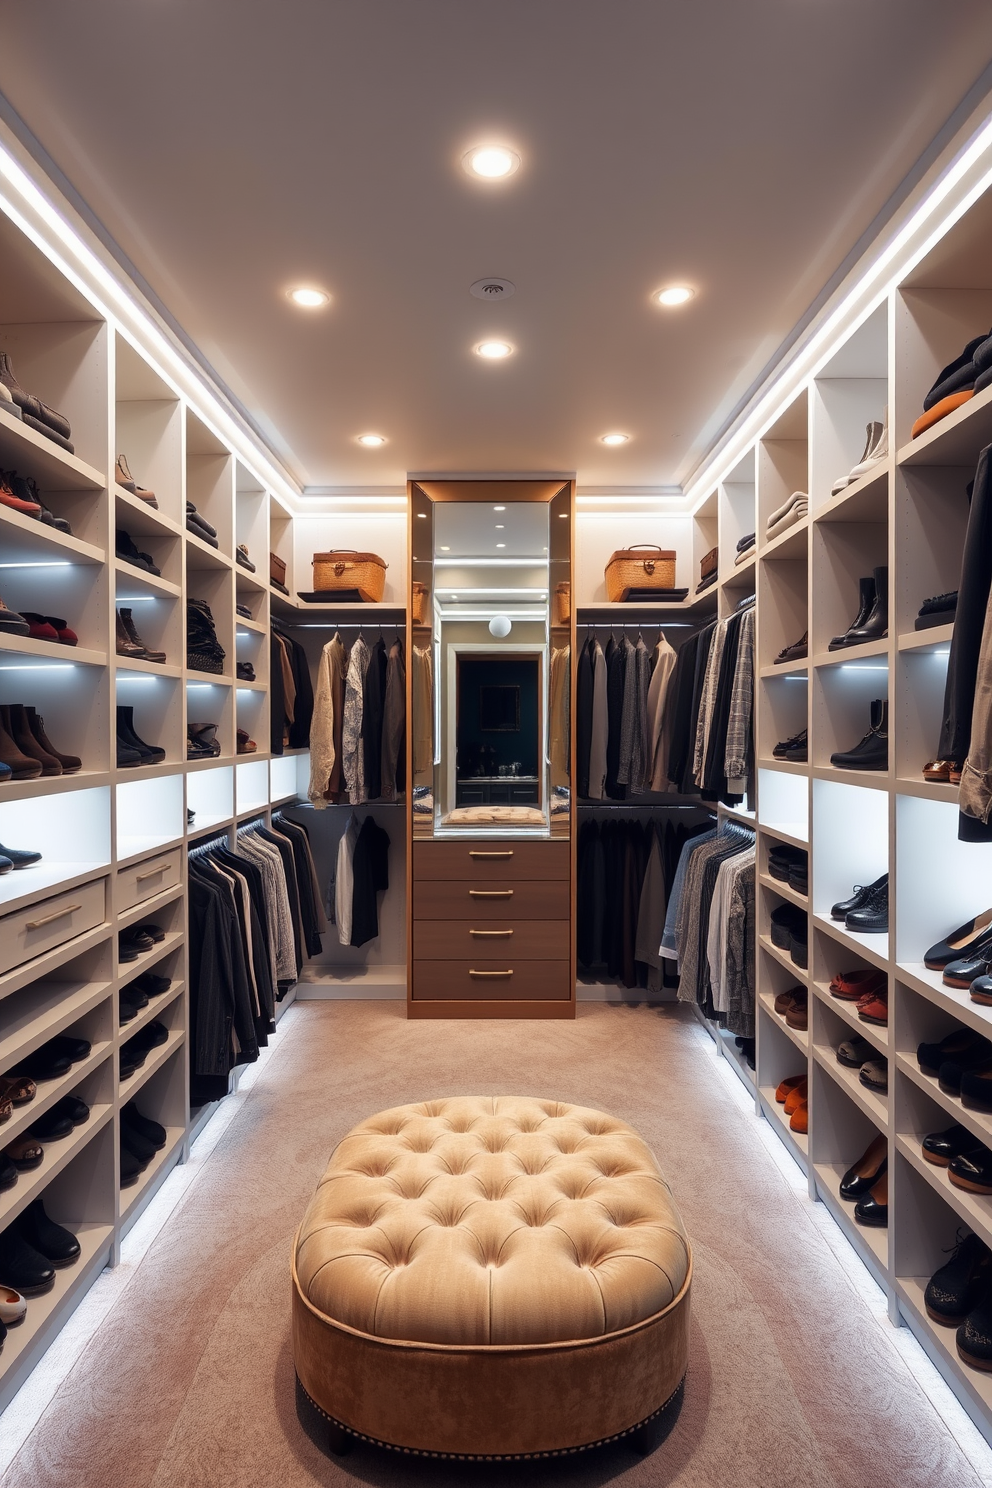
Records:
x=235, y=149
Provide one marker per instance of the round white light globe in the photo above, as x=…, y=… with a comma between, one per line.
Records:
x=500, y=627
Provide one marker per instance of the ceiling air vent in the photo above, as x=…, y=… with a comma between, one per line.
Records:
x=492, y=289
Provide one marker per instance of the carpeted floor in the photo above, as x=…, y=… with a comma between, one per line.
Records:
x=188, y=1383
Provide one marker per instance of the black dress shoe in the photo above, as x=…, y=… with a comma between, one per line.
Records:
x=133, y=943
x=797, y=750
x=154, y=932
x=976, y=1089
x=135, y=994
x=151, y=984
x=873, y=1210
x=137, y=1145
x=53, y=1241
x=871, y=752
x=77, y=1110
x=974, y=1337
x=22, y=1267
x=128, y=1061
x=152, y=1131
x=19, y=856
x=964, y=941
x=126, y=1009
x=152, y=1036
x=972, y=1171
x=871, y=917
x=968, y=969
x=941, y=1148
x=959, y=1286
x=861, y=1177
x=42, y=1065
x=74, y=1049
x=963, y=1044
x=782, y=859
x=51, y=1127
x=8, y=1173
x=865, y=607
x=131, y=1169
x=843, y=907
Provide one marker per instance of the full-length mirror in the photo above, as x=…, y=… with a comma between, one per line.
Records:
x=490, y=677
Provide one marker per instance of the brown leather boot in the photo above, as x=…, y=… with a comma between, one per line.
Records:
x=125, y=645
x=20, y=731
x=70, y=762
x=126, y=619
x=23, y=766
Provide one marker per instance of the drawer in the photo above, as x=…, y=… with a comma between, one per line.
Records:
x=495, y=858
x=150, y=876
x=476, y=981
x=51, y=922
x=461, y=940
x=488, y=900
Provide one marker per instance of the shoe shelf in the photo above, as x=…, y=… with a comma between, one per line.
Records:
x=928, y=790
x=148, y=669
x=30, y=453
x=58, y=1155
x=154, y=583
x=974, y=1209
x=782, y=957
x=873, y=948
x=157, y=1006
x=872, y=1244
x=953, y=1000
x=24, y=539
x=129, y=1088
x=784, y=890
x=937, y=638
x=874, y=1105
x=36, y=1013
x=979, y=1122
x=971, y=1384
x=877, y=780
x=200, y=555
x=784, y=767
x=796, y=1142
x=136, y=1196
x=797, y=1036
x=957, y=439
x=791, y=543
x=26, y=1342
x=864, y=500
x=787, y=669
x=852, y=654
x=140, y=519
x=51, y=651
x=847, y=1012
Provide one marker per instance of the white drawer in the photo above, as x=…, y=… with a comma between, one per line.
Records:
x=150, y=876
x=51, y=922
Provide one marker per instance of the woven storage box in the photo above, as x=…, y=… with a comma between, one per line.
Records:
x=277, y=568
x=708, y=563
x=347, y=569
x=645, y=566
x=419, y=602
x=563, y=603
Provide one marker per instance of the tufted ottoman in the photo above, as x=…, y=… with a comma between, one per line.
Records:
x=490, y=1277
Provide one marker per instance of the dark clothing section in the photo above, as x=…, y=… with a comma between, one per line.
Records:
x=277, y=696
x=373, y=705
x=289, y=718
x=583, y=720
x=247, y=931
x=370, y=872
x=716, y=961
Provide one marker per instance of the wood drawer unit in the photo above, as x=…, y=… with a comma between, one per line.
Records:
x=481, y=981
x=501, y=858
x=461, y=940
x=151, y=876
x=486, y=900
x=51, y=922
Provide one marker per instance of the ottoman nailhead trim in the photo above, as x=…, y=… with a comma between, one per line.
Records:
x=492, y=1456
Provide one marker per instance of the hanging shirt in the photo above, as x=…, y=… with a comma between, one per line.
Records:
x=351, y=736
x=344, y=879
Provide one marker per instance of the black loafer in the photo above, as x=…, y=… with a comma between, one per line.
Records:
x=981, y=990
x=51, y=1127
x=953, y=1071
x=151, y=983
x=963, y=942
x=74, y=1049
x=958, y=1287
x=940, y=1148
x=974, y=1337
x=860, y=1179
x=874, y=1209
x=137, y=1145
x=126, y=1009
x=22, y=1267
x=8, y=1173
x=154, y=932
x=963, y=1044
x=131, y=1169
x=154, y=1131
x=968, y=969
x=972, y=1171
x=53, y=1241
x=77, y=1110
x=42, y=1065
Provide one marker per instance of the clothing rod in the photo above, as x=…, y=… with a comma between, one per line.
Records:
x=648, y=806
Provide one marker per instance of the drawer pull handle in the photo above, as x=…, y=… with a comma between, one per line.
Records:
x=56, y=914
x=490, y=893
x=152, y=873
x=489, y=973
x=490, y=854
x=491, y=932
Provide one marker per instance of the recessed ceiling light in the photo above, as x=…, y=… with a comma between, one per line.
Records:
x=308, y=299
x=501, y=545
x=445, y=550
x=422, y=516
x=371, y=441
x=500, y=526
x=491, y=162
x=614, y=438
x=494, y=351
x=499, y=508
x=675, y=294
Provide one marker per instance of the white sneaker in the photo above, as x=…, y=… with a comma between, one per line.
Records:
x=873, y=432
x=878, y=452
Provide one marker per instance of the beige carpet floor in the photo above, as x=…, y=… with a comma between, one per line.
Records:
x=188, y=1382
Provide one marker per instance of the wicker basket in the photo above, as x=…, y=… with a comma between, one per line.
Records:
x=277, y=568
x=347, y=569
x=419, y=602
x=644, y=566
x=708, y=564
x=563, y=603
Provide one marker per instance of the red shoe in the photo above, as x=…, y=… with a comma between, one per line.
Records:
x=41, y=628
x=875, y=1009
x=7, y=498
x=851, y=986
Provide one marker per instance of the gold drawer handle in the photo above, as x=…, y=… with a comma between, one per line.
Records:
x=152, y=873
x=56, y=914
x=490, y=854
x=490, y=893
x=490, y=932
x=490, y=973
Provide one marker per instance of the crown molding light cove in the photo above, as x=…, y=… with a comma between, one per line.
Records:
x=953, y=184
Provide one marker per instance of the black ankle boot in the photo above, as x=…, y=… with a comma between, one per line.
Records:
x=150, y=754
x=867, y=588
x=872, y=753
x=877, y=624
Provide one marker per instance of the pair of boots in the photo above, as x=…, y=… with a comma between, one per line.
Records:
x=36, y=414
x=129, y=552
x=204, y=653
x=132, y=750
x=872, y=620
x=872, y=753
x=129, y=642
x=26, y=752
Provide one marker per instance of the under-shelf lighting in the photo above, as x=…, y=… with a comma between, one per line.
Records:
x=58, y=666
x=141, y=677
x=52, y=563
x=862, y=666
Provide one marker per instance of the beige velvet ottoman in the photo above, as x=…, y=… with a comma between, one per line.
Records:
x=490, y=1276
